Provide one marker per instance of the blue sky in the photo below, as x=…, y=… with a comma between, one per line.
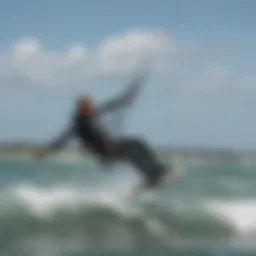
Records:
x=205, y=97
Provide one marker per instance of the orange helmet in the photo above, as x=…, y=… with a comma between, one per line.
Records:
x=85, y=105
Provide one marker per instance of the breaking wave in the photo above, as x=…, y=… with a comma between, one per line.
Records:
x=106, y=217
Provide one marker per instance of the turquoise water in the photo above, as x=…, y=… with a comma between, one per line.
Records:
x=71, y=206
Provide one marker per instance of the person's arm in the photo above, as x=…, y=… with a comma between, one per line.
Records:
x=56, y=144
x=125, y=99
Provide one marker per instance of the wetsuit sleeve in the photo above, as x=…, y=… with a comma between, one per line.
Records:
x=110, y=106
x=62, y=140
x=125, y=99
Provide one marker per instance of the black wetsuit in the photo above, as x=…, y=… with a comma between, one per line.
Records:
x=101, y=144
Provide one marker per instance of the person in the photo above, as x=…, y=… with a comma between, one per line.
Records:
x=108, y=149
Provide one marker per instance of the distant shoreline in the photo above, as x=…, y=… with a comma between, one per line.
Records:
x=24, y=148
x=30, y=146
x=187, y=154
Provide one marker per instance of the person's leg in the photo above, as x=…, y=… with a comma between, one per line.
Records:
x=143, y=158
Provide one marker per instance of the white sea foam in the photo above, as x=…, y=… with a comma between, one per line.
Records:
x=45, y=201
x=240, y=213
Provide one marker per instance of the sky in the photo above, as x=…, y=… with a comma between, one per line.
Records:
x=202, y=56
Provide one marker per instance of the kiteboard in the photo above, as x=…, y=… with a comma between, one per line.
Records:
x=144, y=190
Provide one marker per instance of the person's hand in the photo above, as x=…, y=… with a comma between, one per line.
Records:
x=128, y=97
x=40, y=153
x=134, y=88
x=174, y=174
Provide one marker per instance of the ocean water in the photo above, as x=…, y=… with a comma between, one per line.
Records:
x=67, y=205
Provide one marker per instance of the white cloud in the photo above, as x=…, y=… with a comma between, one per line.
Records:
x=26, y=48
x=28, y=59
x=123, y=53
